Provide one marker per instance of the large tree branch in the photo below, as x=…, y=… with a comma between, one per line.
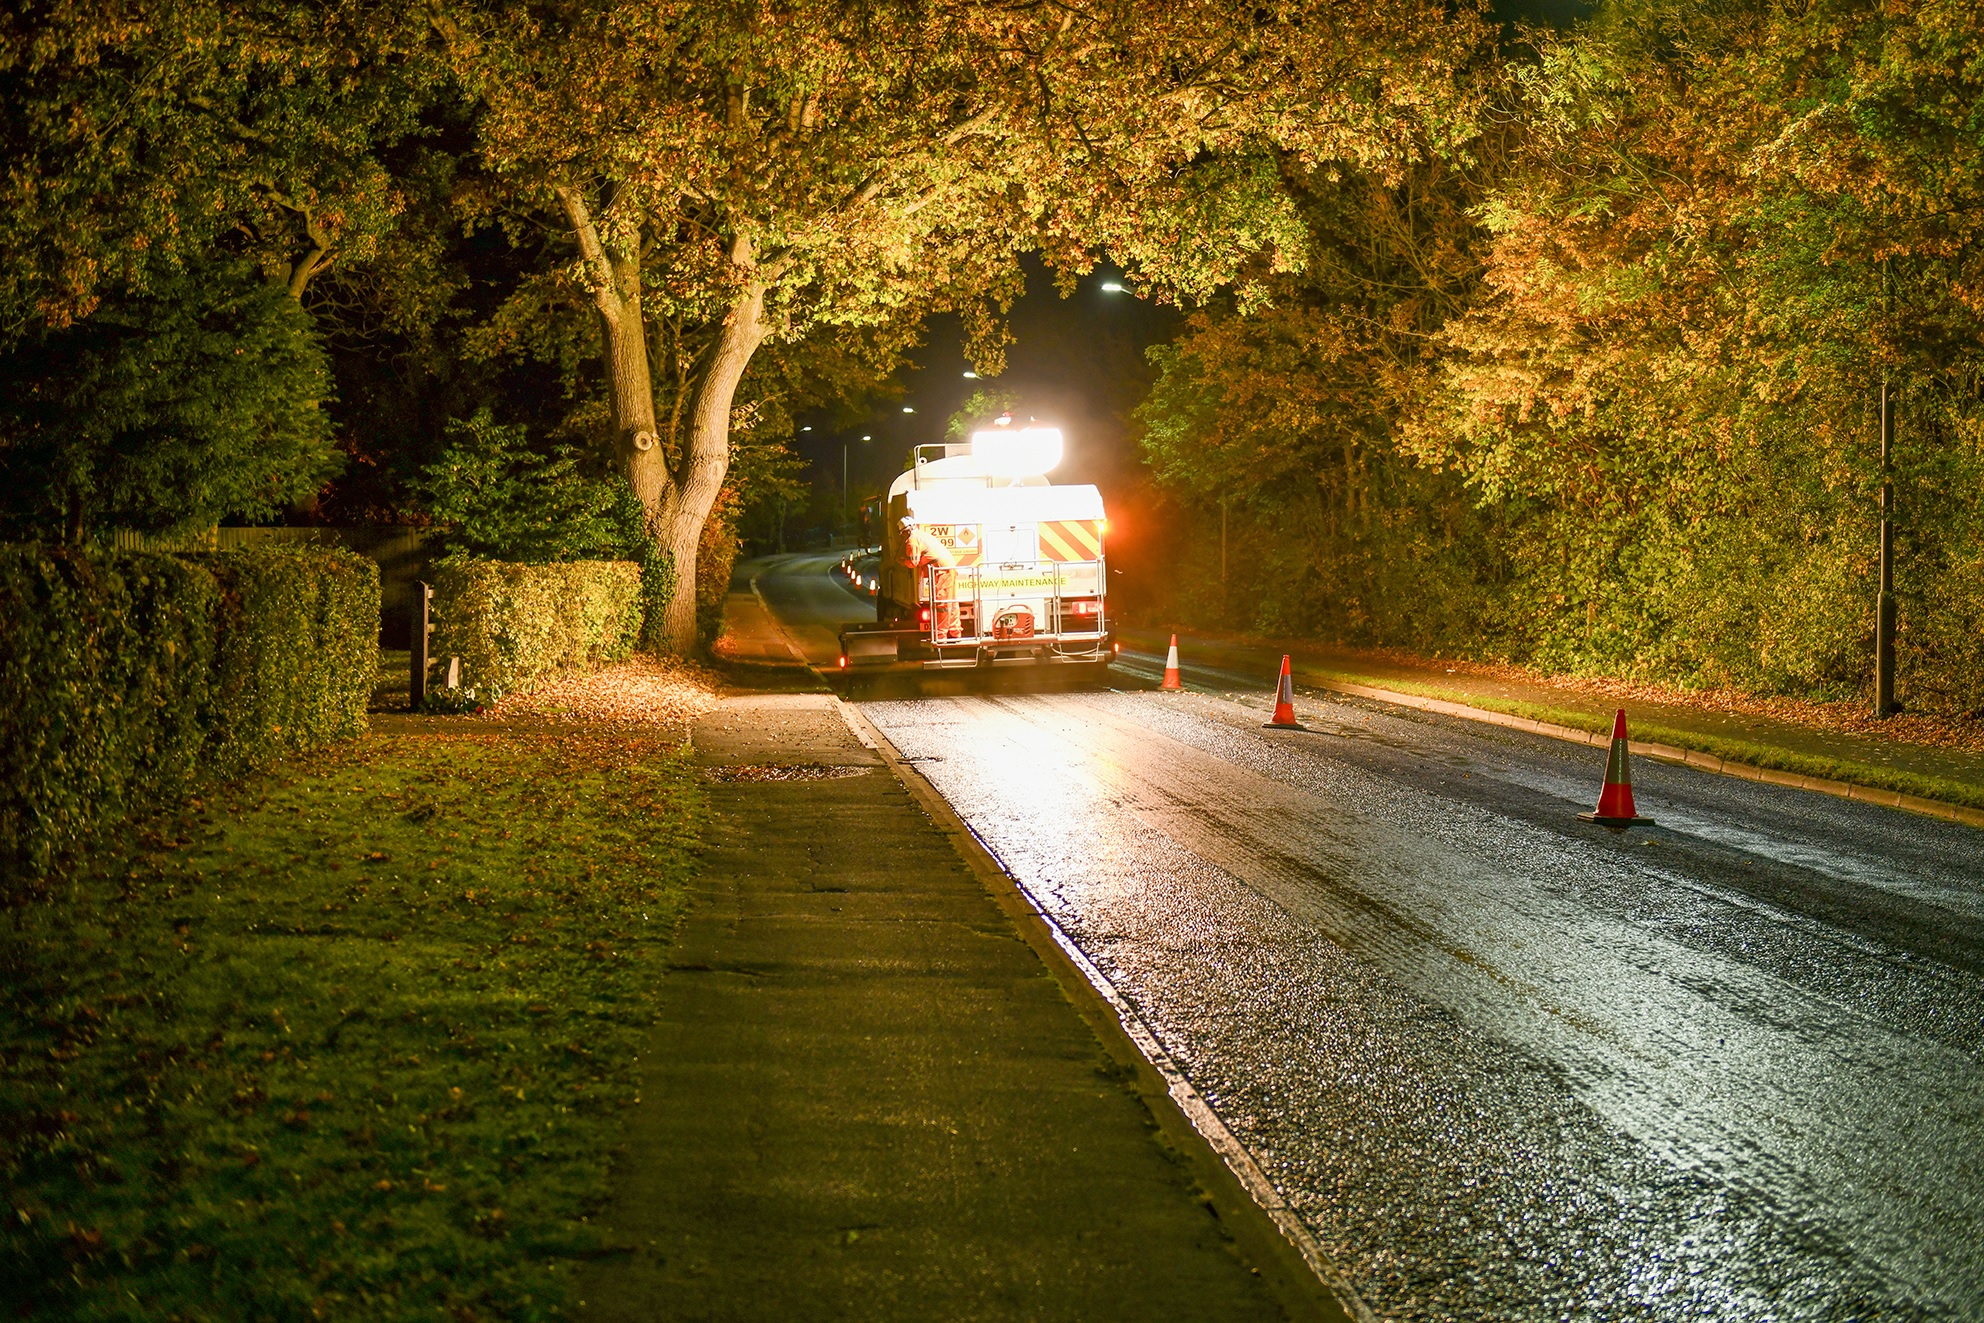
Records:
x=599, y=267
x=871, y=188
x=316, y=258
x=232, y=126
x=969, y=126
x=305, y=267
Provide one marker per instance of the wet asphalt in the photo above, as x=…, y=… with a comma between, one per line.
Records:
x=1506, y=1064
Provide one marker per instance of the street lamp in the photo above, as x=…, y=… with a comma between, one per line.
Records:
x=1111, y=287
x=843, y=482
x=971, y=376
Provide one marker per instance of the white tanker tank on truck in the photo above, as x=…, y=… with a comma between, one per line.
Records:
x=986, y=563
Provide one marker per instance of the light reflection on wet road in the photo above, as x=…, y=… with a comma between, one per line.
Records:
x=1505, y=1064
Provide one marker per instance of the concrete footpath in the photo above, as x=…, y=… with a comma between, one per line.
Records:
x=870, y=1093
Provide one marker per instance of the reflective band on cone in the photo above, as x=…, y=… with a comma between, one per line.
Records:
x=1171, y=680
x=1615, y=800
x=1284, y=701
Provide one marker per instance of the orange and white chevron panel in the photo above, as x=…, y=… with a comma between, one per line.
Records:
x=1070, y=539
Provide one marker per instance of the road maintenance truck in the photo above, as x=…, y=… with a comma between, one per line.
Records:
x=986, y=563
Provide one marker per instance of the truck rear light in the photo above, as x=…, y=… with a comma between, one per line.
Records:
x=843, y=659
x=923, y=616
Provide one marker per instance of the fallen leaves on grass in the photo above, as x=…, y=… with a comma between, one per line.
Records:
x=1852, y=717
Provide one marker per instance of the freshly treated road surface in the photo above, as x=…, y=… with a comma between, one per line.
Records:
x=1506, y=1064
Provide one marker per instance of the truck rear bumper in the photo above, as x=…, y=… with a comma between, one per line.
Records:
x=875, y=650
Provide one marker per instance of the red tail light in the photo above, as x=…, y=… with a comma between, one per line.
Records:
x=923, y=616
x=843, y=660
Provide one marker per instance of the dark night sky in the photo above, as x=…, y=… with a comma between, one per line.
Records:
x=1076, y=363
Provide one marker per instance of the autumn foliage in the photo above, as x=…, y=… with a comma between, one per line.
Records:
x=1595, y=388
x=1559, y=345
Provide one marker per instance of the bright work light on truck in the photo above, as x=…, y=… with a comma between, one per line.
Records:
x=1018, y=454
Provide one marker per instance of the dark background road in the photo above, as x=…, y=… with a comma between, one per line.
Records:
x=1504, y=1063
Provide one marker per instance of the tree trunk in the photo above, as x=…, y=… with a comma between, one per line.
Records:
x=706, y=455
x=677, y=503
x=613, y=273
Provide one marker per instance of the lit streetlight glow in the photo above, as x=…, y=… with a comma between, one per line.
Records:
x=1111, y=287
x=971, y=376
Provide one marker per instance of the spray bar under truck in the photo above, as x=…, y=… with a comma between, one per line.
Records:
x=986, y=563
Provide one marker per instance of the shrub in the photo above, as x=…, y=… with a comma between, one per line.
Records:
x=126, y=679
x=496, y=497
x=514, y=625
x=103, y=668
x=716, y=558
x=298, y=652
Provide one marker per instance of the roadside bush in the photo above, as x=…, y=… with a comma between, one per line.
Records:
x=514, y=625
x=127, y=679
x=716, y=557
x=196, y=401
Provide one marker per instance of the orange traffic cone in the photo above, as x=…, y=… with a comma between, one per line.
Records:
x=1284, y=701
x=1171, y=680
x=1615, y=801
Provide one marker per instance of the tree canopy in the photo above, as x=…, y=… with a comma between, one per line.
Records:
x=1558, y=344
x=1631, y=335
x=166, y=412
x=143, y=139
x=733, y=174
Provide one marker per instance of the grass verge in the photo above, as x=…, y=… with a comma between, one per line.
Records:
x=1731, y=750
x=348, y=1041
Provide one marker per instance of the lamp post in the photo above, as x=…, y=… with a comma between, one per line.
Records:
x=1884, y=604
x=844, y=520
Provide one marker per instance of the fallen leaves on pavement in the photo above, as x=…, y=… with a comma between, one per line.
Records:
x=663, y=691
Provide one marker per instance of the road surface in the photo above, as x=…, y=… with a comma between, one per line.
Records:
x=1507, y=1065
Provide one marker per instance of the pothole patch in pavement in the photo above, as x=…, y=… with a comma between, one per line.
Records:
x=783, y=772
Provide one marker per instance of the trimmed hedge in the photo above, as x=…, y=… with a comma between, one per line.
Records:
x=514, y=625
x=298, y=652
x=128, y=678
